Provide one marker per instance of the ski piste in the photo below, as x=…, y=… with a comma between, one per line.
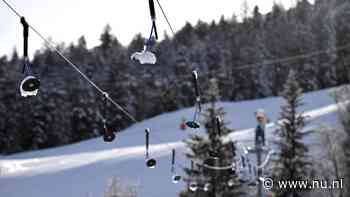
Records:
x=310, y=116
x=128, y=152
x=17, y=167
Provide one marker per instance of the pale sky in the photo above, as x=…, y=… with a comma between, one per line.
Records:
x=67, y=20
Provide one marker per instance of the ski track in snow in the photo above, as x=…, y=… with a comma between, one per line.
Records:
x=51, y=164
x=37, y=166
x=57, y=163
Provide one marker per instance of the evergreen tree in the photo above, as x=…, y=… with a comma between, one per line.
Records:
x=303, y=41
x=277, y=40
x=106, y=38
x=261, y=74
x=292, y=163
x=324, y=30
x=218, y=183
x=83, y=117
x=342, y=27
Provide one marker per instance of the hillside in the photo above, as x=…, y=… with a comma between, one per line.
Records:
x=84, y=168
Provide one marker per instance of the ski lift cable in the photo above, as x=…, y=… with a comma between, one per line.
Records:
x=166, y=17
x=301, y=56
x=281, y=60
x=275, y=61
x=75, y=67
x=266, y=62
x=51, y=45
x=12, y=8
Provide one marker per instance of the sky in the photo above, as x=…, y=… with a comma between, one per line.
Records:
x=67, y=20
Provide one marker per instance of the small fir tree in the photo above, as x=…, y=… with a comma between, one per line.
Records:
x=292, y=163
x=218, y=183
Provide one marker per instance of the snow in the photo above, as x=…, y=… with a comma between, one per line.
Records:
x=85, y=168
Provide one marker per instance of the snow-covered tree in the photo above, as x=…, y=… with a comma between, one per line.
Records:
x=212, y=182
x=292, y=161
x=342, y=27
x=325, y=35
x=331, y=166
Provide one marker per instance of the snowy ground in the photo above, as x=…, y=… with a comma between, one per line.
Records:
x=84, y=169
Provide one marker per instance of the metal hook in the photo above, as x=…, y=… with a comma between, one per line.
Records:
x=108, y=135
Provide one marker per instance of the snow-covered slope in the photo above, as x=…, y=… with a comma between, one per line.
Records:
x=85, y=168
